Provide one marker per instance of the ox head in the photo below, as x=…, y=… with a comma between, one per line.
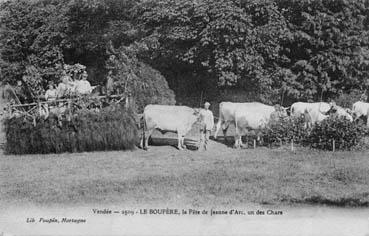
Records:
x=340, y=112
x=197, y=114
x=347, y=114
x=281, y=111
x=196, y=111
x=349, y=111
x=333, y=108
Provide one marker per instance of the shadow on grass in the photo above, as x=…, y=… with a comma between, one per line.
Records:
x=225, y=140
x=229, y=141
x=191, y=144
x=338, y=202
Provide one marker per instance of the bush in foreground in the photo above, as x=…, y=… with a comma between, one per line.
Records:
x=285, y=130
x=112, y=128
x=346, y=134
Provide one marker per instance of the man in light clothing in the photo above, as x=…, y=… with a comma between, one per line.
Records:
x=207, y=124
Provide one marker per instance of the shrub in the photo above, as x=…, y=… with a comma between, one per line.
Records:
x=346, y=134
x=145, y=84
x=284, y=130
x=112, y=128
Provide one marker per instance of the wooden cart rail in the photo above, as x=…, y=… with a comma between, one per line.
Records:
x=65, y=100
x=33, y=109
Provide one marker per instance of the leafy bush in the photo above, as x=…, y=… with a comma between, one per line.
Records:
x=145, y=84
x=285, y=130
x=345, y=133
x=112, y=128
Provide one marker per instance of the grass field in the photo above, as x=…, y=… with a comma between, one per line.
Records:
x=221, y=176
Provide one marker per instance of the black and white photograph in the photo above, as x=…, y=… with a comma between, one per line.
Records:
x=184, y=117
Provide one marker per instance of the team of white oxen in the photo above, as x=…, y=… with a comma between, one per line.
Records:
x=248, y=116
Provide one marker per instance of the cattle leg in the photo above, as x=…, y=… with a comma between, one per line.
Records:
x=219, y=124
x=242, y=145
x=180, y=141
x=237, y=141
x=142, y=141
x=225, y=127
x=259, y=138
x=147, y=136
x=181, y=136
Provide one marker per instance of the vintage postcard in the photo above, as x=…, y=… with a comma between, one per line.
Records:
x=184, y=117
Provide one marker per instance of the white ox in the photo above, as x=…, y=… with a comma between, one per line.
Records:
x=312, y=116
x=178, y=119
x=316, y=112
x=361, y=109
x=341, y=112
x=313, y=112
x=245, y=116
x=298, y=108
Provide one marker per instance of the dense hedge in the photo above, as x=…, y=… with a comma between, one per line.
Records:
x=285, y=130
x=346, y=134
x=112, y=128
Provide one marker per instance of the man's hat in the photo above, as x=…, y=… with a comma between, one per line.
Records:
x=207, y=104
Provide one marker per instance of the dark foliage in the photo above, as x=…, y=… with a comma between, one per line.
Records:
x=145, y=84
x=285, y=130
x=346, y=134
x=113, y=128
x=281, y=50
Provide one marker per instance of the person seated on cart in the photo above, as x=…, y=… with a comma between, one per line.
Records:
x=20, y=93
x=51, y=92
x=83, y=87
x=65, y=87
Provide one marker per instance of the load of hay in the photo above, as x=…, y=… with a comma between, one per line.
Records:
x=112, y=128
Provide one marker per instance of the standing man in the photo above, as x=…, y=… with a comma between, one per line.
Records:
x=207, y=124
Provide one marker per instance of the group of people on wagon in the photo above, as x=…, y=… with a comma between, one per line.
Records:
x=68, y=87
